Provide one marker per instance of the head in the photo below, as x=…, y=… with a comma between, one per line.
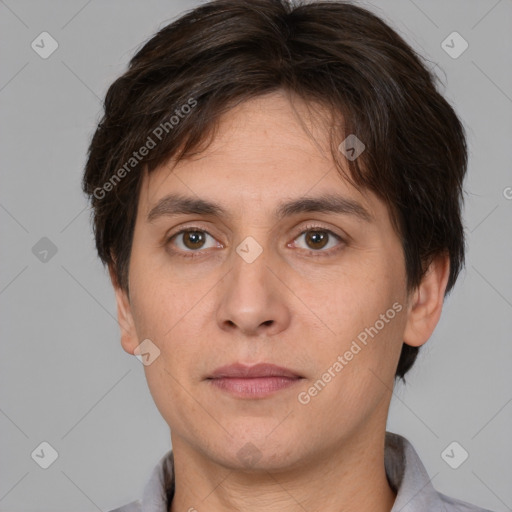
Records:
x=252, y=119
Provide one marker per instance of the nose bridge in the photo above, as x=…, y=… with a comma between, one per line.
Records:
x=249, y=269
x=250, y=297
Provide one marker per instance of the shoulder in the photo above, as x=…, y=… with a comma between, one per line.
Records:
x=456, y=505
x=134, y=506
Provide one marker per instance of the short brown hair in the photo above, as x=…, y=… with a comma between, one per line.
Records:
x=334, y=53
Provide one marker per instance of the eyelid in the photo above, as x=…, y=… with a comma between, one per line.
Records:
x=300, y=231
x=182, y=229
x=320, y=227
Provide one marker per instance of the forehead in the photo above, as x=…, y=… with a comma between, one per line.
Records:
x=264, y=150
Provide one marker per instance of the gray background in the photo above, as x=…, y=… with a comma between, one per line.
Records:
x=64, y=377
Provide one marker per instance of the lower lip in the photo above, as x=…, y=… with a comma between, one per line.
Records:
x=259, y=387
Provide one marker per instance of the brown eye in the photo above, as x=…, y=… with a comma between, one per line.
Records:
x=193, y=239
x=317, y=239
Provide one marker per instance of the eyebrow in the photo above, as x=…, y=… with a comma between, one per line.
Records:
x=176, y=204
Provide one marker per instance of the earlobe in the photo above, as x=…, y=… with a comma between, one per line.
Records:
x=427, y=302
x=129, y=339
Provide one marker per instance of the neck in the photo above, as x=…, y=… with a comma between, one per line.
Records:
x=350, y=477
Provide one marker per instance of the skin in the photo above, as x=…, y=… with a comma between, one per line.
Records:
x=291, y=307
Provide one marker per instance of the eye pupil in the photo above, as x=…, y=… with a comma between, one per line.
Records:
x=193, y=239
x=318, y=239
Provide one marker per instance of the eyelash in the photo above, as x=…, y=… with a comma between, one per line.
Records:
x=319, y=253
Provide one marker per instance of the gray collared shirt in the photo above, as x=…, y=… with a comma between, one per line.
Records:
x=404, y=470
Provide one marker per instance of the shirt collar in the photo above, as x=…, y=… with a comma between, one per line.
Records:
x=409, y=478
x=404, y=469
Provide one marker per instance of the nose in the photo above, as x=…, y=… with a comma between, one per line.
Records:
x=251, y=299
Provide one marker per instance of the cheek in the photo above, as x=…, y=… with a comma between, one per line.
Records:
x=164, y=313
x=360, y=311
x=159, y=299
x=356, y=364
x=348, y=301
x=169, y=311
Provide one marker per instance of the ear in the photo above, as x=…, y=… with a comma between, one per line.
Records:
x=427, y=302
x=129, y=338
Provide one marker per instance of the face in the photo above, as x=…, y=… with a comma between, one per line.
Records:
x=263, y=277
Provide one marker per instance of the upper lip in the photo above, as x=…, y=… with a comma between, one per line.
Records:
x=242, y=371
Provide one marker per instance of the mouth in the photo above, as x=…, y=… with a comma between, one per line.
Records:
x=250, y=382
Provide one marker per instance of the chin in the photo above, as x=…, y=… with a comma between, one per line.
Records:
x=260, y=452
